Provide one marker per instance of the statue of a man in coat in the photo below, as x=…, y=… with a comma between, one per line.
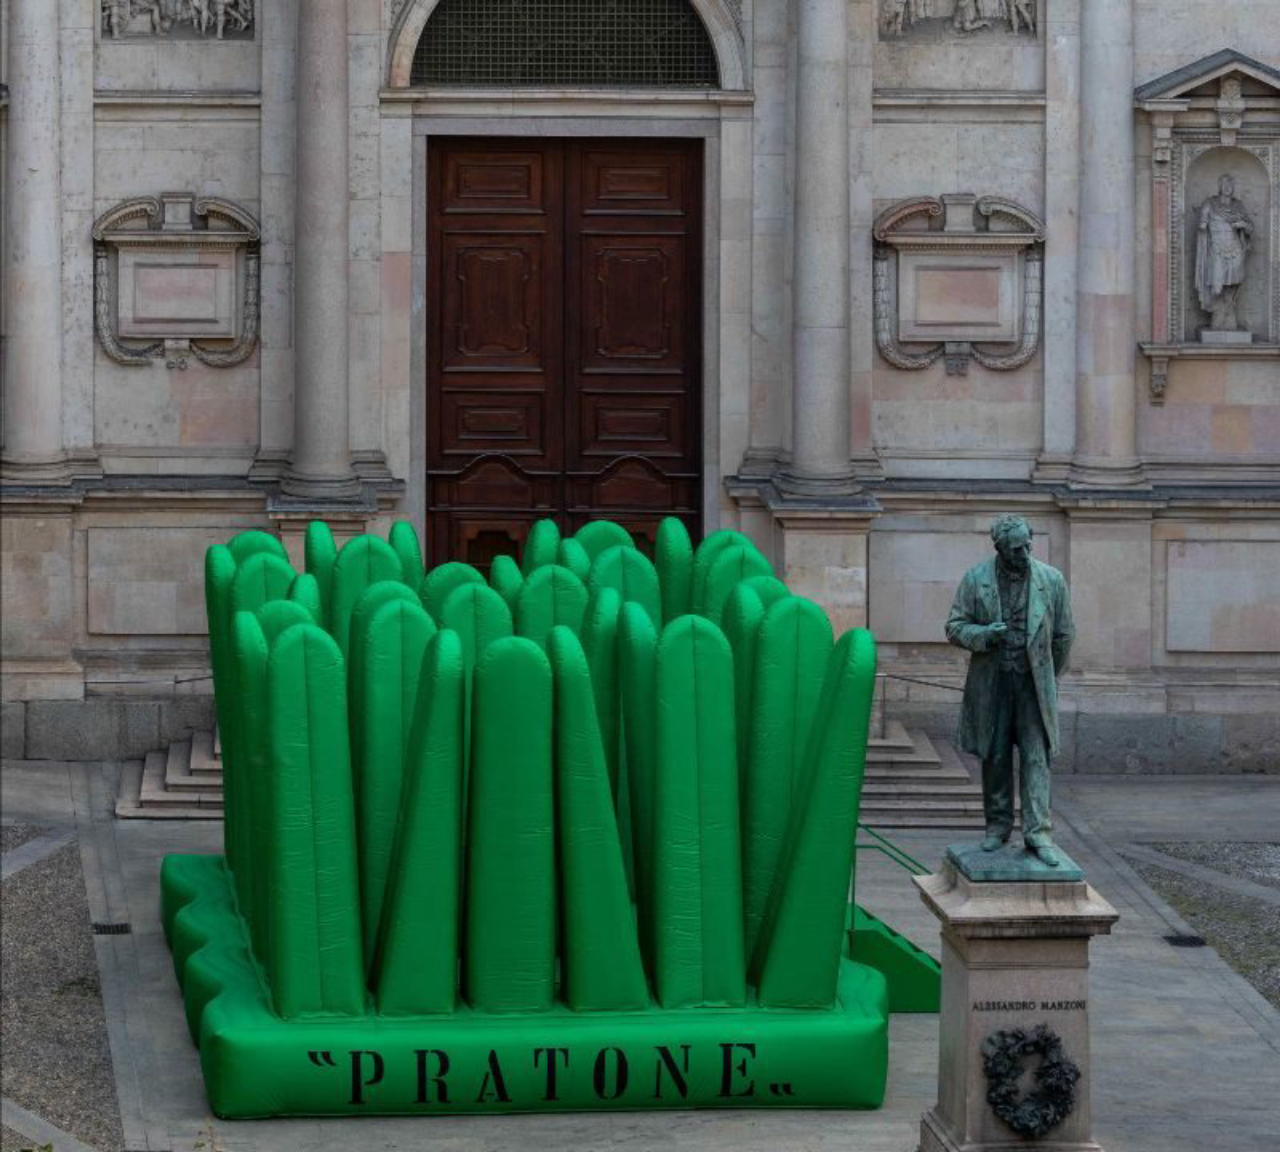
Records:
x=1013, y=614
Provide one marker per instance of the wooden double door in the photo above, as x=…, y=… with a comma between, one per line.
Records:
x=564, y=373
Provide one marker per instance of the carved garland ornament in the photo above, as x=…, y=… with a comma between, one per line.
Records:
x=931, y=251
x=206, y=251
x=1052, y=1100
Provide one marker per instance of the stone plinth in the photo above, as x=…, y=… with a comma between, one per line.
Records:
x=1015, y=955
x=1211, y=336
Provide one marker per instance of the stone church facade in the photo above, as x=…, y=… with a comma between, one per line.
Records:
x=854, y=276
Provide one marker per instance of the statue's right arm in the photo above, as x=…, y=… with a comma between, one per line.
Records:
x=962, y=629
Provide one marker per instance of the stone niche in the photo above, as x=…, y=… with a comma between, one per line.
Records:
x=1215, y=161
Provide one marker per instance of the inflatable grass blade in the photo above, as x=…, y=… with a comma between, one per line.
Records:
x=262, y=577
x=479, y=616
x=674, y=561
x=551, y=595
x=403, y=539
x=796, y=962
x=219, y=574
x=441, y=582
x=250, y=819
x=632, y=573
x=305, y=590
x=320, y=554
x=573, y=556
x=510, y=936
x=392, y=644
x=314, y=964
x=792, y=648
x=637, y=664
x=741, y=620
x=364, y=560
x=697, y=868
x=416, y=965
x=250, y=543
x=769, y=588
x=731, y=567
x=370, y=603
x=706, y=554
x=599, y=536
x=505, y=578
x=600, y=644
x=541, y=546
x=277, y=616
x=601, y=954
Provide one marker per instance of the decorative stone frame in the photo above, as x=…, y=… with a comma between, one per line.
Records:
x=1184, y=126
x=177, y=222
x=721, y=18
x=973, y=228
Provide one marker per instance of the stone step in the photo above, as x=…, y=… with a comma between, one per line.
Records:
x=203, y=753
x=943, y=786
x=931, y=805
x=922, y=752
x=178, y=776
x=895, y=738
x=144, y=794
x=893, y=820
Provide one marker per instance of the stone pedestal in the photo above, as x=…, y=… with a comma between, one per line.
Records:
x=1015, y=955
x=1210, y=336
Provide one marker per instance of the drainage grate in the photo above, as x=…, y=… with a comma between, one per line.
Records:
x=1185, y=941
x=122, y=929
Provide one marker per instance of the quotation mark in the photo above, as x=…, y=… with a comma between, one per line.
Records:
x=322, y=1059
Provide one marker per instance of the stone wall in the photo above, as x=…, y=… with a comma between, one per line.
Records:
x=1178, y=663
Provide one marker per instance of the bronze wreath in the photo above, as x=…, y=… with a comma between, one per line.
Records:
x=1054, y=1096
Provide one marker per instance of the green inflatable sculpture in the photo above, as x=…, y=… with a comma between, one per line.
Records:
x=578, y=838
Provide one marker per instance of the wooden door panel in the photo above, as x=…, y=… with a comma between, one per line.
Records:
x=564, y=342
x=632, y=305
x=478, y=178
x=493, y=292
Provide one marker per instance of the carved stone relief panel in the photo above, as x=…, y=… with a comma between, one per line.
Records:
x=180, y=19
x=958, y=277
x=926, y=20
x=180, y=273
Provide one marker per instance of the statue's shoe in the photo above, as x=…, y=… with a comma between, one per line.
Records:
x=1048, y=854
x=993, y=840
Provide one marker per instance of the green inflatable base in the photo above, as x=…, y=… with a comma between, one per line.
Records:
x=913, y=976
x=257, y=1065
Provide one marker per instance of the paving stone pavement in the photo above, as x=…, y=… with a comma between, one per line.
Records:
x=1186, y=1054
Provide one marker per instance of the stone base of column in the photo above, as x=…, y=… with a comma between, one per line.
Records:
x=322, y=488
x=1106, y=472
x=795, y=483
x=1015, y=980
x=49, y=471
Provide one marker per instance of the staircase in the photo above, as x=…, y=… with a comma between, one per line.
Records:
x=914, y=782
x=182, y=782
x=911, y=782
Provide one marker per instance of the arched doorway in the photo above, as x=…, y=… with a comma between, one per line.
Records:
x=564, y=292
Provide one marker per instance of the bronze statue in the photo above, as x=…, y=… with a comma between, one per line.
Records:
x=1013, y=613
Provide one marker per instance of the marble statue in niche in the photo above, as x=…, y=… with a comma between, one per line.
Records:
x=900, y=17
x=1222, y=252
x=187, y=18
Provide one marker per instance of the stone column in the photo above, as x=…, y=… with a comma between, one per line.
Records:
x=820, y=328
x=1106, y=327
x=320, y=468
x=33, y=448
